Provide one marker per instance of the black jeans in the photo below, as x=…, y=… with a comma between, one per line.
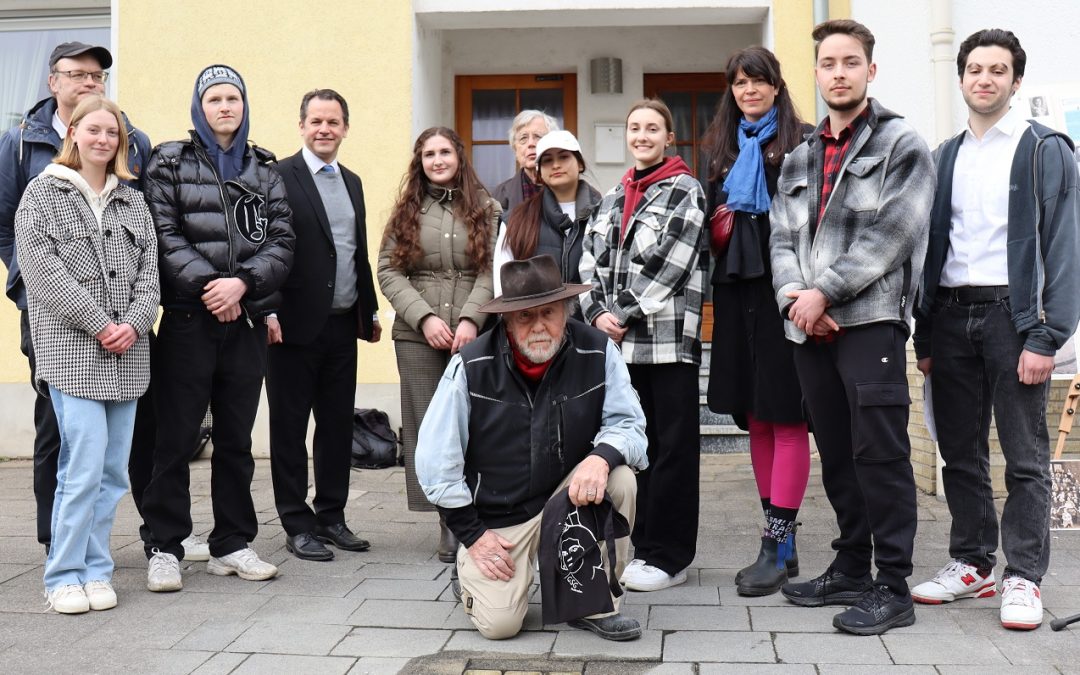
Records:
x=857, y=395
x=317, y=378
x=666, y=527
x=975, y=350
x=141, y=459
x=198, y=361
x=46, y=441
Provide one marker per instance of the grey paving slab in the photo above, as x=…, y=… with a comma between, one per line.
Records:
x=277, y=664
x=836, y=648
x=423, y=572
x=372, y=665
x=213, y=635
x=697, y=617
x=982, y=670
x=523, y=643
x=1038, y=647
x=402, y=613
x=220, y=664
x=929, y=649
x=12, y=570
x=755, y=669
x=790, y=619
x=343, y=565
x=306, y=609
x=399, y=589
x=574, y=642
x=733, y=647
x=832, y=669
x=308, y=639
x=330, y=587
x=60, y=658
x=677, y=595
x=392, y=642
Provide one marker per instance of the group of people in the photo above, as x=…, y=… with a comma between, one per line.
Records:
x=548, y=338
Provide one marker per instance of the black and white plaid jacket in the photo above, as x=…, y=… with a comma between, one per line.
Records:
x=653, y=282
x=80, y=277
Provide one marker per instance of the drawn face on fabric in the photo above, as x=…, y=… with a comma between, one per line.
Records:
x=576, y=543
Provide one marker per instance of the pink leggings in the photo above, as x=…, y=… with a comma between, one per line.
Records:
x=780, y=454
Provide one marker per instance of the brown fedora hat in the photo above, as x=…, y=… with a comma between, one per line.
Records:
x=531, y=283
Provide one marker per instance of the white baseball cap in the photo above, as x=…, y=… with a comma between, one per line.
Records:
x=560, y=139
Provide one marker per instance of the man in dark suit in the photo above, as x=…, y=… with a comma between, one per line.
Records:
x=329, y=301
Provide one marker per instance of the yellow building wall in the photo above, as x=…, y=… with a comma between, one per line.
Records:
x=792, y=22
x=282, y=49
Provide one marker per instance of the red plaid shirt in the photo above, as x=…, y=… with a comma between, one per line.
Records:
x=528, y=188
x=836, y=148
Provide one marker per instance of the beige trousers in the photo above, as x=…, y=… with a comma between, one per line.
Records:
x=497, y=608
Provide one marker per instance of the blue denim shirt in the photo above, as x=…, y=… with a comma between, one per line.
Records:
x=444, y=433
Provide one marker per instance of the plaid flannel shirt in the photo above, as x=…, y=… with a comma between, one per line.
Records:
x=653, y=283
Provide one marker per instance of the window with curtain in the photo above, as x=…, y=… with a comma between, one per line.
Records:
x=24, y=65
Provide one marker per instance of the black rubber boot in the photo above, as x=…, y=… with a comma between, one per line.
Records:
x=448, y=544
x=764, y=577
x=792, y=562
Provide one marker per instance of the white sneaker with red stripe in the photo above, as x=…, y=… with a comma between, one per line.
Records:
x=1021, y=604
x=956, y=580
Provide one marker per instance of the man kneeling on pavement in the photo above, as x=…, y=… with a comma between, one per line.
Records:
x=539, y=404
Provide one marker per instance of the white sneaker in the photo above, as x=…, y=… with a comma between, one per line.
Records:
x=163, y=573
x=244, y=563
x=69, y=599
x=100, y=594
x=195, y=549
x=636, y=562
x=955, y=581
x=1021, y=604
x=645, y=577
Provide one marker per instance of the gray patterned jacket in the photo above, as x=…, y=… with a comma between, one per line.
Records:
x=866, y=254
x=80, y=277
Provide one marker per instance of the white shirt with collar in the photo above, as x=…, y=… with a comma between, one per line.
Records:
x=59, y=127
x=980, y=205
x=316, y=164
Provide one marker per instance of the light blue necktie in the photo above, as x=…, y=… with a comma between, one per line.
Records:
x=327, y=169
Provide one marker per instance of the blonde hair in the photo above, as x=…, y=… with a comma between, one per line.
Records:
x=69, y=154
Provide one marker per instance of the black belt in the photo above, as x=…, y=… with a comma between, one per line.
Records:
x=973, y=295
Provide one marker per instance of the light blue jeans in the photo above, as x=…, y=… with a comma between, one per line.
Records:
x=91, y=477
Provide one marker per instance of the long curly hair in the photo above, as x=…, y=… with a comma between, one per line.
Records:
x=471, y=206
x=721, y=138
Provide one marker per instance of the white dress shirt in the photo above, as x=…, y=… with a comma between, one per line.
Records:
x=980, y=205
x=316, y=164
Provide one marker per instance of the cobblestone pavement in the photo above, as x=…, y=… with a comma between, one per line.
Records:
x=390, y=609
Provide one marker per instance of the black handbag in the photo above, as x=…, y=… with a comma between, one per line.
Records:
x=375, y=445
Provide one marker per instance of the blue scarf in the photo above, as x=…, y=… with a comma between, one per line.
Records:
x=745, y=184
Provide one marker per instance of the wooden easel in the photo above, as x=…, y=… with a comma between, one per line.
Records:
x=1072, y=399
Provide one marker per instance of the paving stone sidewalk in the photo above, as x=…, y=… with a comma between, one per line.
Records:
x=390, y=610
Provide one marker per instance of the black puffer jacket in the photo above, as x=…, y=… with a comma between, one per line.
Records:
x=208, y=229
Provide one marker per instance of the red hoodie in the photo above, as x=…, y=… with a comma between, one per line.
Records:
x=635, y=189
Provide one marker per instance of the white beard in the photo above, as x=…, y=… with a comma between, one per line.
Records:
x=543, y=351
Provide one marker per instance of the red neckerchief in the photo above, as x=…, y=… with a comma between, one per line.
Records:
x=532, y=371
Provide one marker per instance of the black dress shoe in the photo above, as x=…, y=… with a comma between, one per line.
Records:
x=615, y=627
x=455, y=583
x=307, y=547
x=876, y=612
x=831, y=588
x=339, y=535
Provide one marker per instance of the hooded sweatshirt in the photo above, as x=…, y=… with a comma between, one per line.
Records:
x=229, y=162
x=95, y=200
x=635, y=189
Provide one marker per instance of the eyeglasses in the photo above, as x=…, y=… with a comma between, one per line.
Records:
x=524, y=139
x=80, y=75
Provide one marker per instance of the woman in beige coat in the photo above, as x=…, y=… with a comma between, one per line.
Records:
x=435, y=269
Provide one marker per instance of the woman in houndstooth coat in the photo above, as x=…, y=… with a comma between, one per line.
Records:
x=88, y=252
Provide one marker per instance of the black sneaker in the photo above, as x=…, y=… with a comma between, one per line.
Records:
x=615, y=627
x=876, y=612
x=831, y=588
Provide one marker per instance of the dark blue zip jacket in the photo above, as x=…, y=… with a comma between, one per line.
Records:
x=24, y=151
x=1043, y=246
